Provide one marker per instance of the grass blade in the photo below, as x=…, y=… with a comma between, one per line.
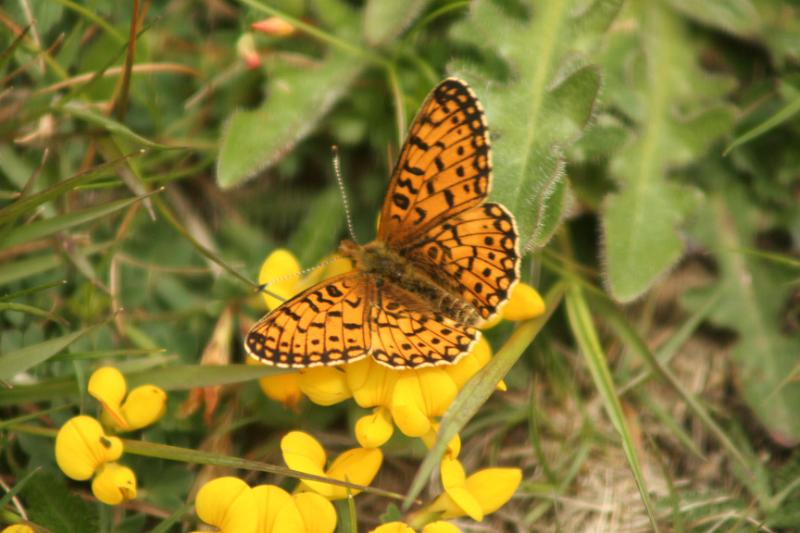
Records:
x=784, y=114
x=189, y=455
x=49, y=226
x=21, y=360
x=585, y=334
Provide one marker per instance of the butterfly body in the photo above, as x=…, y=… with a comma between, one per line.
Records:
x=444, y=259
x=384, y=264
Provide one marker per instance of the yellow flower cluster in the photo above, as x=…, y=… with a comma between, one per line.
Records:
x=410, y=400
x=83, y=449
x=232, y=506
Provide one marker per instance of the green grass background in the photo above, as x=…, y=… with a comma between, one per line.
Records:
x=647, y=148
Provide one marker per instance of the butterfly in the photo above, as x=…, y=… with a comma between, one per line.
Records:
x=443, y=262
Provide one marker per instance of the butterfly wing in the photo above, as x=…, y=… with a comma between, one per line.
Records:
x=444, y=166
x=408, y=333
x=475, y=253
x=328, y=324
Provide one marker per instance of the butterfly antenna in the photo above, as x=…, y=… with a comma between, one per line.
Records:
x=337, y=169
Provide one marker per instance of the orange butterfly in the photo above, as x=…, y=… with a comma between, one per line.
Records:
x=443, y=262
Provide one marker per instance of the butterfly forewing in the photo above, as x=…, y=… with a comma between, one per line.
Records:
x=328, y=324
x=444, y=166
x=407, y=333
x=476, y=253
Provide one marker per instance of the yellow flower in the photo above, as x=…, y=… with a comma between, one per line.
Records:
x=304, y=512
x=18, y=528
x=371, y=383
x=143, y=406
x=114, y=484
x=419, y=396
x=524, y=303
x=477, y=495
x=400, y=527
x=324, y=385
x=303, y=453
x=283, y=388
x=453, y=447
x=279, y=273
x=82, y=447
x=229, y=504
x=393, y=527
x=375, y=429
x=440, y=526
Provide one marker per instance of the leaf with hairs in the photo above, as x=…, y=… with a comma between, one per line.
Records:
x=544, y=106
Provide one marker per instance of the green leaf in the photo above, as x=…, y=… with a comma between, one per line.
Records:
x=545, y=106
x=297, y=98
x=50, y=504
x=184, y=377
x=22, y=359
x=28, y=203
x=737, y=17
x=781, y=116
x=49, y=226
x=478, y=389
x=753, y=300
x=324, y=211
x=384, y=21
x=81, y=111
x=583, y=329
x=178, y=377
x=641, y=221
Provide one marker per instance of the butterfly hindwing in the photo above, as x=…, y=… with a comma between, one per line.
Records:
x=408, y=333
x=444, y=166
x=475, y=253
x=328, y=324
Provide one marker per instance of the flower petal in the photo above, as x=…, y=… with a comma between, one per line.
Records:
x=359, y=465
x=144, y=406
x=107, y=386
x=524, y=303
x=229, y=504
x=276, y=510
x=280, y=266
x=301, y=449
x=319, y=515
x=440, y=526
x=493, y=487
x=420, y=395
x=82, y=446
x=324, y=385
x=18, y=528
x=454, y=483
x=392, y=527
x=303, y=453
x=375, y=429
x=453, y=447
x=114, y=484
x=371, y=383
x=283, y=388
x=470, y=364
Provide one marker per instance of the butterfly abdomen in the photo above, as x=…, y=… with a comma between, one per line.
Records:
x=386, y=265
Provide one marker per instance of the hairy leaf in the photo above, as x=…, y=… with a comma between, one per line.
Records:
x=655, y=73
x=543, y=107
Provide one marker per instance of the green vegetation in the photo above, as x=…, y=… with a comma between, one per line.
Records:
x=152, y=154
